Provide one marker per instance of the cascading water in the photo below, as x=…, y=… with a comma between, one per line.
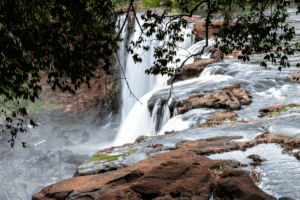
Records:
x=139, y=82
x=122, y=53
x=267, y=88
x=134, y=111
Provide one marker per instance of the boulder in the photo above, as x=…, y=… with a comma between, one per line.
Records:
x=295, y=78
x=181, y=173
x=192, y=70
x=275, y=110
x=222, y=116
x=256, y=160
x=270, y=109
x=230, y=98
x=74, y=137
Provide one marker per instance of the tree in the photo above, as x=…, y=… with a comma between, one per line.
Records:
x=70, y=38
x=64, y=37
x=254, y=31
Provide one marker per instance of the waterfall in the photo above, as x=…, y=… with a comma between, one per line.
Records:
x=122, y=53
x=139, y=82
x=136, y=118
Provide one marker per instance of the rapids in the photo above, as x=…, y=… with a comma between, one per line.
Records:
x=55, y=149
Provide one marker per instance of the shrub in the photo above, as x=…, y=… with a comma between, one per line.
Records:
x=150, y=3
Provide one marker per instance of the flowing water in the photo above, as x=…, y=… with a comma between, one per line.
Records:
x=57, y=148
x=280, y=174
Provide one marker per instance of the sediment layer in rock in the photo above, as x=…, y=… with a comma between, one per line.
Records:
x=192, y=70
x=230, y=98
x=180, y=173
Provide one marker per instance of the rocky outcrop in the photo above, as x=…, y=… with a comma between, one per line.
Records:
x=265, y=111
x=256, y=160
x=226, y=117
x=192, y=70
x=230, y=98
x=275, y=110
x=87, y=103
x=182, y=173
x=222, y=116
x=295, y=78
x=200, y=29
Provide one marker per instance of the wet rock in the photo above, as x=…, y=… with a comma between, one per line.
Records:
x=192, y=19
x=191, y=71
x=222, y=116
x=140, y=139
x=276, y=109
x=200, y=29
x=269, y=109
x=257, y=160
x=230, y=98
x=169, y=132
x=295, y=78
x=179, y=173
x=74, y=137
x=107, y=150
x=56, y=132
x=154, y=146
x=226, y=117
x=233, y=186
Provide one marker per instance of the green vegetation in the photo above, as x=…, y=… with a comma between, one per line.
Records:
x=204, y=124
x=221, y=169
x=284, y=109
x=289, y=106
x=69, y=39
x=32, y=107
x=272, y=113
x=108, y=158
x=150, y=3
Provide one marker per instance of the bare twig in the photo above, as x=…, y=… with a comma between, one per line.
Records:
x=124, y=22
x=135, y=15
x=127, y=81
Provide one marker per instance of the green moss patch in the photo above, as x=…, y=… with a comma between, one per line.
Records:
x=108, y=158
x=284, y=109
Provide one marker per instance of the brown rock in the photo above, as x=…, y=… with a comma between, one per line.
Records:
x=154, y=146
x=270, y=109
x=180, y=173
x=256, y=160
x=222, y=116
x=140, y=139
x=192, y=19
x=191, y=70
x=295, y=78
x=169, y=132
x=230, y=98
x=200, y=29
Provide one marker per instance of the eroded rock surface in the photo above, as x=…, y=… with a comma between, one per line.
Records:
x=192, y=70
x=182, y=173
x=200, y=29
x=274, y=110
x=295, y=77
x=230, y=98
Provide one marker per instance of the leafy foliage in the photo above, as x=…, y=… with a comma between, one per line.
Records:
x=254, y=31
x=68, y=39
x=150, y=3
